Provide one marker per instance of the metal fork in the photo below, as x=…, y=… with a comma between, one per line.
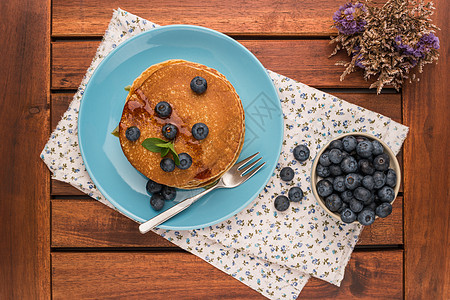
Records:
x=237, y=175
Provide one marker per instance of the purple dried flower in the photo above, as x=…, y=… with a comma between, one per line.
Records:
x=429, y=41
x=423, y=46
x=349, y=18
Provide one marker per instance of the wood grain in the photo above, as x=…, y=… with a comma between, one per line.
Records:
x=179, y=275
x=88, y=223
x=369, y=275
x=24, y=127
x=264, y=17
x=427, y=183
x=303, y=60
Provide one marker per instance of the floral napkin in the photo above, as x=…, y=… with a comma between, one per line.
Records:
x=274, y=253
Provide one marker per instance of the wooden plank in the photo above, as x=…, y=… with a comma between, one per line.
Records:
x=299, y=18
x=88, y=223
x=24, y=127
x=99, y=275
x=70, y=61
x=303, y=60
x=369, y=275
x=427, y=205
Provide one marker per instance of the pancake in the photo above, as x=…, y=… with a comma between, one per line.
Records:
x=219, y=107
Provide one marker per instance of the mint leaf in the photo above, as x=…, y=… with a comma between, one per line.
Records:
x=127, y=88
x=165, y=145
x=164, y=152
x=161, y=146
x=176, y=159
x=151, y=144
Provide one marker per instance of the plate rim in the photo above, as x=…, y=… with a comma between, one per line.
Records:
x=106, y=195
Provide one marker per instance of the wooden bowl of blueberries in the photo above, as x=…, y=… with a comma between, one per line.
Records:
x=356, y=178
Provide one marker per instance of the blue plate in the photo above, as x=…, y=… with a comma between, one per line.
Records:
x=104, y=98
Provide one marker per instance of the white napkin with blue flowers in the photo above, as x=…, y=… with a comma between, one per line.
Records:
x=274, y=253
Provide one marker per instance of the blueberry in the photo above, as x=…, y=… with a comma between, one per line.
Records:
x=372, y=206
x=301, y=153
x=349, y=164
x=132, y=133
x=281, y=203
x=369, y=200
x=335, y=170
x=381, y=162
x=349, y=143
x=344, y=206
x=157, y=202
x=287, y=174
x=335, y=156
x=153, y=187
x=200, y=131
x=324, y=159
x=362, y=194
x=185, y=161
x=386, y=194
x=355, y=205
x=169, y=131
x=168, y=193
x=324, y=188
x=366, y=167
x=379, y=179
x=366, y=217
x=377, y=200
x=377, y=148
x=295, y=194
x=383, y=210
x=348, y=216
x=364, y=148
x=167, y=164
x=352, y=181
x=391, y=178
x=368, y=182
x=322, y=171
x=336, y=144
x=333, y=202
x=163, y=109
x=199, y=85
x=346, y=196
x=339, y=184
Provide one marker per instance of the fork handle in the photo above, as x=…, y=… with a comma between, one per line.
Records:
x=174, y=210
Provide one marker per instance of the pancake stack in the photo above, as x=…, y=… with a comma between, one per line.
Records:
x=219, y=108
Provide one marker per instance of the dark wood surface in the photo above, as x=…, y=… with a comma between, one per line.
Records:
x=86, y=223
x=24, y=129
x=58, y=243
x=303, y=60
x=185, y=276
x=427, y=225
x=264, y=17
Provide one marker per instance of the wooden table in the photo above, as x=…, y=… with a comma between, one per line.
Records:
x=57, y=242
